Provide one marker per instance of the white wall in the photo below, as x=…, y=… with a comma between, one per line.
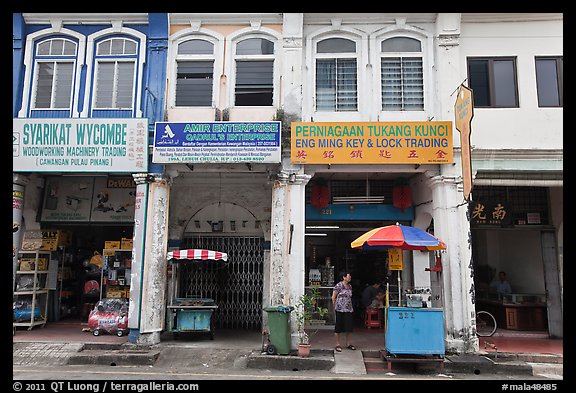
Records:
x=526, y=127
x=518, y=253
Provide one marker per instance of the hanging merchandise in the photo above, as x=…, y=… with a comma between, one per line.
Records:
x=91, y=287
x=401, y=194
x=320, y=196
x=96, y=259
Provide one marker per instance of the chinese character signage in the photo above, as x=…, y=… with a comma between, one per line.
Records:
x=217, y=142
x=464, y=112
x=80, y=145
x=394, y=259
x=426, y=142
x=490, y=212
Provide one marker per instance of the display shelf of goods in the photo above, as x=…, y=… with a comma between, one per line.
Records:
x=116, y=272
x=30, y=296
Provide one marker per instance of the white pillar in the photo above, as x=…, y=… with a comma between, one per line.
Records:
x=292, y=33
x=286, y=272
x=148, y=275
x=452, y=226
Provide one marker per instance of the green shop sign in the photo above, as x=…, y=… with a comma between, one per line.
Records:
x=80, y=145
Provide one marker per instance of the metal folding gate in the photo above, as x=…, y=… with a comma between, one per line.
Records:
x=237, y=287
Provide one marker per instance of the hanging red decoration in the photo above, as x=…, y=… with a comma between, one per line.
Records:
x=320, y=196
x=402, y=196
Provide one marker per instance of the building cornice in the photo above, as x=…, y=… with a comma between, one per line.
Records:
x=518, y=154
x=511, y=17
x=85, y=18
x=225, y=18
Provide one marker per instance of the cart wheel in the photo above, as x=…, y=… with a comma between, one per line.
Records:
x=120, y=333
x=271, y=349
x=96, y=332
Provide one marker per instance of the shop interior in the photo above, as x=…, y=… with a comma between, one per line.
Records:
x=86, y=270
x=328, y=252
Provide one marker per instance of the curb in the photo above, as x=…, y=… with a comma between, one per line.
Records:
x=114, y=355
x=318, y=360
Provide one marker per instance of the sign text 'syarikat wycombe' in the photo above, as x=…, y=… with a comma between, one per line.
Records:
x=426, y=142
x=217, y=142
x=80, y=145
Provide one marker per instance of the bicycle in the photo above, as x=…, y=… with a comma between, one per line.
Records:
x=485, y=324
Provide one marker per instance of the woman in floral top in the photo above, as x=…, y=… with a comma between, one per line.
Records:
x=342, y=301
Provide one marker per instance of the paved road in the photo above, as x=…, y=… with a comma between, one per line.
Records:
x=148, y=373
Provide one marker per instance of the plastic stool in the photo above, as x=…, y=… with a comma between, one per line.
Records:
x=373, y=318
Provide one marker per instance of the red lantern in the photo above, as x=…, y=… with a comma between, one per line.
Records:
x=320, y=196
x=402, y=197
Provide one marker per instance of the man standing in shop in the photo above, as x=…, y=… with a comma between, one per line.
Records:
x=502, y=285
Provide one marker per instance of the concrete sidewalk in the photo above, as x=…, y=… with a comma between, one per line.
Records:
x=233, y=349
x=187, y=357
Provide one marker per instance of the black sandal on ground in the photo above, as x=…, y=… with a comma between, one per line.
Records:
x=352, y=347
x=338, y=348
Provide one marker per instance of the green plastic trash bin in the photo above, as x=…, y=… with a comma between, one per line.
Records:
x=279, y=324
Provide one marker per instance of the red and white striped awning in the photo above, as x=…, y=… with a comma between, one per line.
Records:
x=197, y=253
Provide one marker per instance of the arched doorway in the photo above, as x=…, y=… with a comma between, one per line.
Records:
x=237, y=287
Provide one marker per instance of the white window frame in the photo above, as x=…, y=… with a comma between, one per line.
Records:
x=124, y=58
x=172, y=69
x=232, y=41
x=56, y=61
x=29, y=85
x=426, y=40
x=116, y=31
x=309, y=98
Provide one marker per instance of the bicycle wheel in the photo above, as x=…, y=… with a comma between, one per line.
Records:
x=485, y=324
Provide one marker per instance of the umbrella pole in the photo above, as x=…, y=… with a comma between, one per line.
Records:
x=399, y=289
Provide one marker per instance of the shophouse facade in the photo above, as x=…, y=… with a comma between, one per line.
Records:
x=241, y=74
x=88, y=89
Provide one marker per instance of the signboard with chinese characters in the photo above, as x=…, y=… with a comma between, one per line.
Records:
x=395, y=259
x=217, y=142
x=464, y=112
x=80, y=145
x=426, y=142
x=490, y=213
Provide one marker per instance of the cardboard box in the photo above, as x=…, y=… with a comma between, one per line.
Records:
x=126, y=244
x=112, y=245
x=27, y=264
x=114, y=293
x=45, y=239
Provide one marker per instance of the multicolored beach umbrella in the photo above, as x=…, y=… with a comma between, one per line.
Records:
x=398, y=236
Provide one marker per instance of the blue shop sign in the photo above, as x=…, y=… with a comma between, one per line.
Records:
x=358, y=212
x=217, y=142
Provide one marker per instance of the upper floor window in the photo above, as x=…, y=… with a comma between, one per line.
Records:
x=115, y=63
x=254, y=72
x=549, y=81
x=493, y=81
x=54, y=65
x=401, y=74
x=336, y=75
x=194, y=73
